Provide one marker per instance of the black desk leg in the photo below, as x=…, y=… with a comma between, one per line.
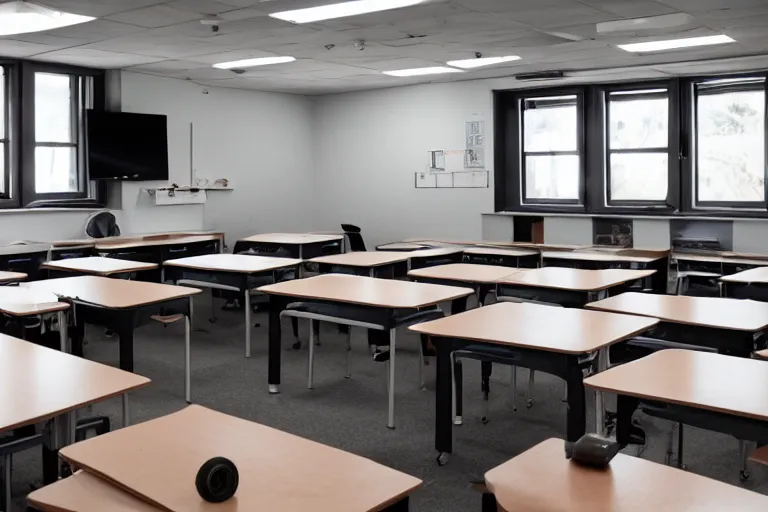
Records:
x=625, y=408
x=125, y=333
x=577, y=409
x=50, y=465
x=488, y=503
x=77, y=334
x=400, y=506
x=276, y=305
x=443, y=401
x=458, y=305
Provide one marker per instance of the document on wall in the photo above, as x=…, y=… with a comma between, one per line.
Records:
x=474, y=157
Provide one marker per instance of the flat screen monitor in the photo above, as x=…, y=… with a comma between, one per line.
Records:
x=126, y=146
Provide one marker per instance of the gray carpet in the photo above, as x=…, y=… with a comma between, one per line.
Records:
x=351, y=414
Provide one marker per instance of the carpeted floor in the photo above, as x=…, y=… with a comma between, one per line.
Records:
x=351, y=414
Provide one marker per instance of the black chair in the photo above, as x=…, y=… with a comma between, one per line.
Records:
x=356, y=242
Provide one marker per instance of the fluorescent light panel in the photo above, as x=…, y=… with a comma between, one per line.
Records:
x=422, y=71
x=249, y=63
x=657, y=46
x=342, y=10
x=24, y=17
x=483, y=61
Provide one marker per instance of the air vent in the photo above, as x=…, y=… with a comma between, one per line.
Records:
x=541, y=75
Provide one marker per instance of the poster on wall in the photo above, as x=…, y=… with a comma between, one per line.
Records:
x=474, y=157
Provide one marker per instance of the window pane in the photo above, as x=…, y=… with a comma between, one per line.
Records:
x=53, y=115
x=639, y=176
x=3, y=184
x=55, y=170
x=2, y=103
x=638, y=123
x=549, y=124
x=731, y=146
x=552, y=177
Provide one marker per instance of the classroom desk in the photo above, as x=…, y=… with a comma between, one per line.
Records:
x=301, y=246
x=96, y=266
x=278, y=471
x=541, y=479
x=598, y=259
x=423, y=258
x=83, y=492
x=723, y=263
x=558, y=341
x=482, y=278
x=711, y=391
x=365, y=263
x=749, y=284
x=20, y=303
x=570, y=287
x=520, y=258
x=121, y=306
x=11, y=277
x=38, y=384
x=730, y=326
x=24, y=258
x=402, y=247
x=384, y=298
x=233, y=272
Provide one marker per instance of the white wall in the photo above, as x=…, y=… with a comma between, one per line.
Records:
x=43, y=225
x=369, y=145
x=261, y=142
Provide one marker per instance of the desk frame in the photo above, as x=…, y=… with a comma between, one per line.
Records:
x=527, y=261
x=300, y=251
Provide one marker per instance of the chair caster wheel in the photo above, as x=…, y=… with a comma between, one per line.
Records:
x=296, y=346
x=458, y=420
x=685, y=467
x=744, y=475
x=529, y=404
x=443, y=458
x=213, y=320
x=484, y=420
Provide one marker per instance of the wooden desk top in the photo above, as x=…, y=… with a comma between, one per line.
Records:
x=83, y=492
x=599, y=256
x=716, y=382
x=152, y=242
x=278, y=471
x=240, y=263
x=363, y=258
x=291, y=238
x=368, y=291
x=7, y=250
x=541, y=479
x=491, y=251
x=99, y=266
x=435, y=253
x=467, y=272
x=754, y=275
x=574, y=279
x=7, y=277
x=564, y=330
x=20, y=301
x=39, y=383
x=113, y=240
x=734, y=314
x=111, y=293
x=402, y=246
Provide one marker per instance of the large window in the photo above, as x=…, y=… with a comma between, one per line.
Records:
x=682, y=146
x=637, y=143
x=551, y=158
x=730, y=142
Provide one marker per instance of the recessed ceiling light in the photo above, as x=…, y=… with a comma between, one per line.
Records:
x=422, y=71
x=657, y=46
x=249, y=63
x=342, y=10
x=483, y=61
x=20, y=17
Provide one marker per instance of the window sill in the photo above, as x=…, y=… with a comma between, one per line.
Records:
x=23, y=211
x=629, y=216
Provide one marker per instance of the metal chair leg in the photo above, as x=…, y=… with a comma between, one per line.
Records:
x=513, y=386
x=349, y=354
x=529, y=402
x=422, y=386
x=486, y=367
x=311, y=379
x=670, y=445
x=391, y=384
x=744, y=473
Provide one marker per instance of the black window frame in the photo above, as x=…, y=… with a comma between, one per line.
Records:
x=680, y=201
x=710, y=206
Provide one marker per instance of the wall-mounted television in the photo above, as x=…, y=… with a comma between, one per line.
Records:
x=126, y=146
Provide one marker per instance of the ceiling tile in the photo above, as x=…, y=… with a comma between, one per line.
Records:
x=95, y=58
x=98, y=8
x=155, y=16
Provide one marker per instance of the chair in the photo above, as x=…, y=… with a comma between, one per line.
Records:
x=357, y=316
x=684, y=277
x=356, y=242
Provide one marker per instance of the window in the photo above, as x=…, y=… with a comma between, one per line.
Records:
x=730, y=143
x=551, y=159
x=637, y=146
x=56, y=113
x=5, y=175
